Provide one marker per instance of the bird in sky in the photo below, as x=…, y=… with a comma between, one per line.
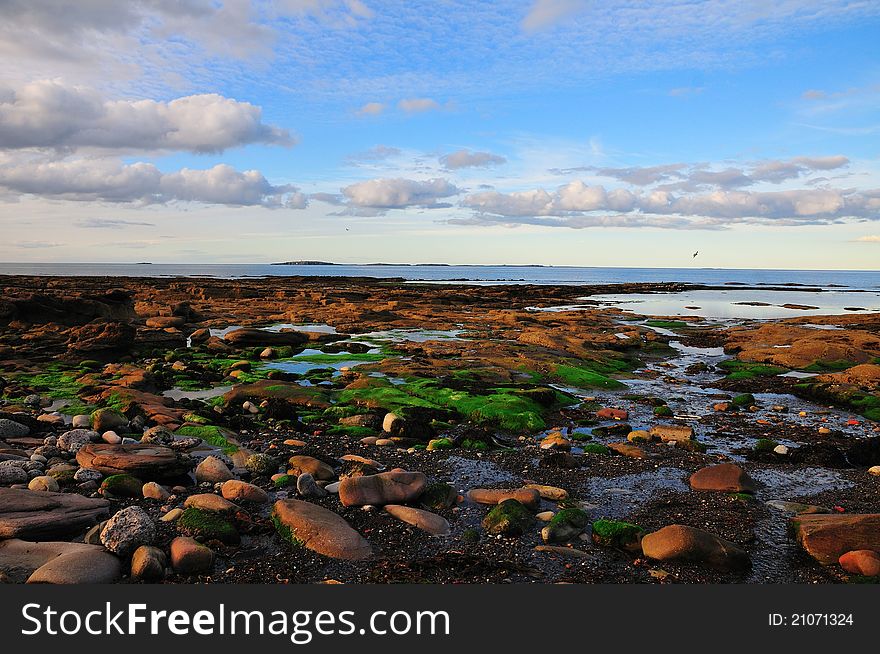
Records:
x=695, y=254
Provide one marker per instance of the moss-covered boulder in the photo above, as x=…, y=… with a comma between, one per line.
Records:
x=206, y=526
x=509, y=518
x=565, y=525
x=438, y=496
x=743, y=401
x=616, y=533
x=122, y=486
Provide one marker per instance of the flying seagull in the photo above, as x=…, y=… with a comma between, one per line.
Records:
x=695, y=254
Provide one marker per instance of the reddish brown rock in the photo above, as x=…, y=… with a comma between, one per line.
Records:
x=861, y=562
x=726, y=477
x=826, y=537
x=300, y=464
x=248, y=337
x=683, y=543
x=319, y=530
x=425, y=520
x=611, y=414
x=188, y=556
x=142, y=461
x=393, y=487
x=241, y=491
x=528, y=497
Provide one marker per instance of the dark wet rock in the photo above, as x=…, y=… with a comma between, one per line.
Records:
x=865, y=452
x=42, y=515
x=13, y=429
x=319, y=530
x=438, y=496
x=559, y=460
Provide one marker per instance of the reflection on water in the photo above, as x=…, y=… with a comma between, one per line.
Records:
x=729, y=304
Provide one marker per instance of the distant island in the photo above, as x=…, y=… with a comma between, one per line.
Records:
x=304, y=263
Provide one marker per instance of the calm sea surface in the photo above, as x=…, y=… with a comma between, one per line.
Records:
x=472, y=274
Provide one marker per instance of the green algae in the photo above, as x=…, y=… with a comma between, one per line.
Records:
x=210, y=434
x=743, y=370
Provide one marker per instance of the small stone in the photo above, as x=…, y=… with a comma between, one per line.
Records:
x=545, y=516
x=780, y=449
x=425, y=520
x=153, y=491
x=874, y=470
x=240, y=491
x=87, y=474
x=43, y=483
x=384, y=442
x=148, y=563
x=81, y=421
x=307, y=487
x=172, y=515
x=111, y=437
x=261, y=465
x=74, y=440
x=212, y=470
x=188, y=556
x=508, y=518
x=210, y=502
x=392, y=423
x=10, y=475
x=309, y=464
x=824, y=431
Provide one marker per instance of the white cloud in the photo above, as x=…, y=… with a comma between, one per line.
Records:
x=111, y=180
x=873, y=238
x=398, y=193
x=50, y=114
x=469, y=159
x=417, y=105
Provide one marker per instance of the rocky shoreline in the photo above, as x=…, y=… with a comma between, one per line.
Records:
x=306, y=430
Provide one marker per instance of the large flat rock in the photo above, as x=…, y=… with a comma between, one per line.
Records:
x=319, y=529
x=144, y=461
x=40, y=514
x=53, y=562
x=826, y=537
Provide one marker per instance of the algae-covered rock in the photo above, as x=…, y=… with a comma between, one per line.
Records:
x=565, y=525
x=509, y=518
x=616, y=533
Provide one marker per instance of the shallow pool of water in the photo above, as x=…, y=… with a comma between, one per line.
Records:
x=728, y=303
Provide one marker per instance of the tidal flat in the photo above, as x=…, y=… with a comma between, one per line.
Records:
x=360, y=430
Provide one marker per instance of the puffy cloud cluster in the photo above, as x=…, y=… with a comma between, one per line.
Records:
x=110, y=180
x=50, y=114
x=468, y=159
x=399, y=193
x=417, y=105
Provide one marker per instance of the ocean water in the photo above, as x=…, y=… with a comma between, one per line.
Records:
x=463, y=274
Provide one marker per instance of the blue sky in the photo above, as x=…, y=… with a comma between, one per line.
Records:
x=551, y=131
